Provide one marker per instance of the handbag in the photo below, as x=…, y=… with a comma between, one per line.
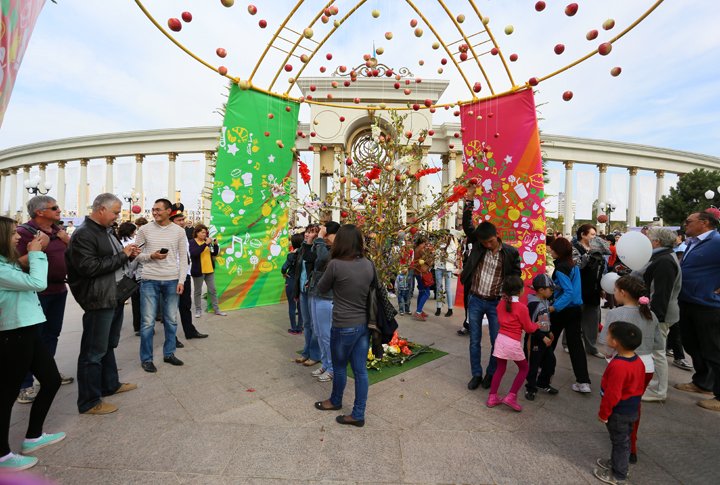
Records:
x=427, y=279
x=125, y=288
x=381, y=314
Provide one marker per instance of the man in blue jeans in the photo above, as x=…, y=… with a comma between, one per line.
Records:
x=165, y=265
x=489, y=262
x=95, y=263
x=304, y=266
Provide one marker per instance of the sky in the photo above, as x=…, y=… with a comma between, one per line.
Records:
x=102, y=67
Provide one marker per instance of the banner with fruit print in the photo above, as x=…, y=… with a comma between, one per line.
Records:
x=16, y=27
x=502, y=153
x=249, y=215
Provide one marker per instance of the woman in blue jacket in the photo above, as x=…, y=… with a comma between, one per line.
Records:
x=21, y=350
x=566, y=314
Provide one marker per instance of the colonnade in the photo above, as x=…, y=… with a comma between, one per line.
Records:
x=632, y=210
x=11, y=178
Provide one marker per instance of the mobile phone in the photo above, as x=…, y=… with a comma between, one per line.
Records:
x=163, y=251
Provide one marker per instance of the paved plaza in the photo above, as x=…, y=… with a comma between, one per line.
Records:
x=241, y=412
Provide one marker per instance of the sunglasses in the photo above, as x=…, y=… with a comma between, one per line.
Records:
x=53, y=208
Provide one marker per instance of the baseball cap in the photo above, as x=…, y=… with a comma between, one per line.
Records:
x=542, y=281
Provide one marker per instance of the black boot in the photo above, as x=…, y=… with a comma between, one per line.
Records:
x=437, y=312
x=449, y=313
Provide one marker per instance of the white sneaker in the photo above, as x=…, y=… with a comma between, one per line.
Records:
x=318, y=372
x=325, y=377
x=582, y=387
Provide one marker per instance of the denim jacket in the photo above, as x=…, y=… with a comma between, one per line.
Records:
x=19, y=303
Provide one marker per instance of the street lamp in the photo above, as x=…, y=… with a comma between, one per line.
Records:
x=608, y=208
x=131, y=198
x=35, y=186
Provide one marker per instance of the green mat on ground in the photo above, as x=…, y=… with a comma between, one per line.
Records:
x=389, y=371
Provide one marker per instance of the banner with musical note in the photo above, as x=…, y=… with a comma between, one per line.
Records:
x=502, y=151
x=249, y=216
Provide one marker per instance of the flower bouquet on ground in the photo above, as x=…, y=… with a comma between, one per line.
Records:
x=396, y=353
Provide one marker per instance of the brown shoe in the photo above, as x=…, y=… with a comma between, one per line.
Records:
x=102, y=408
x=711, y=404
x=125, y=387
x=310, y=362
x=691, y=387
x=301, y=360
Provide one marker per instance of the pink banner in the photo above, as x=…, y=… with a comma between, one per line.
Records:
x=502, y=151
x=18, y=21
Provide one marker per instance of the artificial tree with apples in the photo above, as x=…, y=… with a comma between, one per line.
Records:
x=380, y=194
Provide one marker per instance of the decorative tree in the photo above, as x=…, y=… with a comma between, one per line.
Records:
x=379, y=193
x=689, y=196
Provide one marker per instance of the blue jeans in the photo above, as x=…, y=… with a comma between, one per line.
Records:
x=423, y=293
x=350, y=344
x=54, y=309
x=97, y=373
x=293, y=307
x=404, y=300
x=443, y=282
x=476, y=309
x=154, y=293
x=312, y=347
x=321, y=311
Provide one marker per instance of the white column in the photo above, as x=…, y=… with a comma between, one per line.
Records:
x=315, y=175
x=172, y=186
x=109, y=179
x=632, y=200
x=139, y=189
x=42, y=167
x=25, y=193
x=12, y=203
x=569, y=216
x=3, y=179
x=659, y=189
x=206, y=193
x=60, y=185
x=602, y=193
x=82, y=189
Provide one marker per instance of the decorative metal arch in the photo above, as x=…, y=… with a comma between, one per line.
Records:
x=247, y=84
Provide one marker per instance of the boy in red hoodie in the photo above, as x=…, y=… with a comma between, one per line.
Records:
x=622, y=386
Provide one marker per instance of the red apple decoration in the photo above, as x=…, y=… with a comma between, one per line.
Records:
x=474, y=181
x=222, y=70
x=186, y=16
x=428, y=102
x=262, y=23
x=494, y=51
x=533, y=81
x=416, y=107
x=348, y=161
x=407, y=91
x=443, y=61
x=313, y=87
x=431, y=132
x=615, y=71
x=342, y=118
x=396, y=85
x=567, y=95
x=174, y=24
x=271, y=116
x=267, y=133
x=477, y=87
x=463, y=56
x=328, y=56
x=605, y=48
x=540, y=6
x=413, y=230
x=592, y=34
x=602, y=218
x=252, y=9
x=513, y=57
x=343, y=214
x=227, y=3
x=413, y=23
x=559, y=49
x=288, y=67
x=571, y=9
x=220, y=52
x=408, y=134
x=608, y=24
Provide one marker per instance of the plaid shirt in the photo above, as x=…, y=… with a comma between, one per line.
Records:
x=488, y=276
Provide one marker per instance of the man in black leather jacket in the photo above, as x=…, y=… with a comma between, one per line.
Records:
x=95, y=262
x=490, y=261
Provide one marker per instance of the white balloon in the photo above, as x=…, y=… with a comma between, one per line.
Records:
x=634, y=250
x=608, y=282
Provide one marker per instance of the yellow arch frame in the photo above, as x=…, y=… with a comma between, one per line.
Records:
x=285, y=95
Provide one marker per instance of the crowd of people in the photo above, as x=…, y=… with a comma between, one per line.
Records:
x=329, y=282
x=104, y=264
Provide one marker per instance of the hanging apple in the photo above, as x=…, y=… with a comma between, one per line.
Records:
x=262, y=23
x=494, y=51
x=460, y=18
x=513, y=57
x=227, y=3
x=533, y=81
x=222, y=70
x=509, y=29
x=567, y=95
x=605, y=48
x=540, y=6
x=477, y=87
x=591, y=35
x=186, y=16
x=220, y=52
x=615, y=71
x=388, y=35
x=559, y=49
x=418, y=32
x=174, y=24
x=252, y=9
x=375, y=13
x=608, y=24
x=571, y=9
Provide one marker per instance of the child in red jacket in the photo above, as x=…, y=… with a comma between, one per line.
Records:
x=513, y=318
x=622, y=387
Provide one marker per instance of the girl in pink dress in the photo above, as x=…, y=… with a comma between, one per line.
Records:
x=513, y=318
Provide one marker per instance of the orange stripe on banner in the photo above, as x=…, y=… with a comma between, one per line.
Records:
x=530, y=156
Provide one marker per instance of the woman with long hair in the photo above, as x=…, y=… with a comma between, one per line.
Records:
x=565, y=314
x=349, y=274
x=202, y=269
x=21, y=349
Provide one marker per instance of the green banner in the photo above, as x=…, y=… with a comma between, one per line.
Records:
x=249, y=214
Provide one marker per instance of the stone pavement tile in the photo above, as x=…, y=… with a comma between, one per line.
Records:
x=526, y=457
x=686, y=458
x=279, y=453
x=297, y=405
x=438, y=387
x=405, y=408
x=582, y=448
x=82, y=476
x=359, y=454
x=451, y=419
x=210, y=399
x=257, y=412
x=442, y=457
x=454, y=367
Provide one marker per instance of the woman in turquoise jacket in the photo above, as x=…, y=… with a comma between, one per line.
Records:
x=21, y=349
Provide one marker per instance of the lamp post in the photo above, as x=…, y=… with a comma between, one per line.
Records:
x=131, y=198
x=710, y=195
x=608, y=208
x=35, y=186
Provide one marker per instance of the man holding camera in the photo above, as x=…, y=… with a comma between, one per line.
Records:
x=165, y=265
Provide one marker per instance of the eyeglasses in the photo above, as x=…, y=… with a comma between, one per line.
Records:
x=53, y=208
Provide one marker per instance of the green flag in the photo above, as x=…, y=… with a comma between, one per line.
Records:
x=249, y=221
